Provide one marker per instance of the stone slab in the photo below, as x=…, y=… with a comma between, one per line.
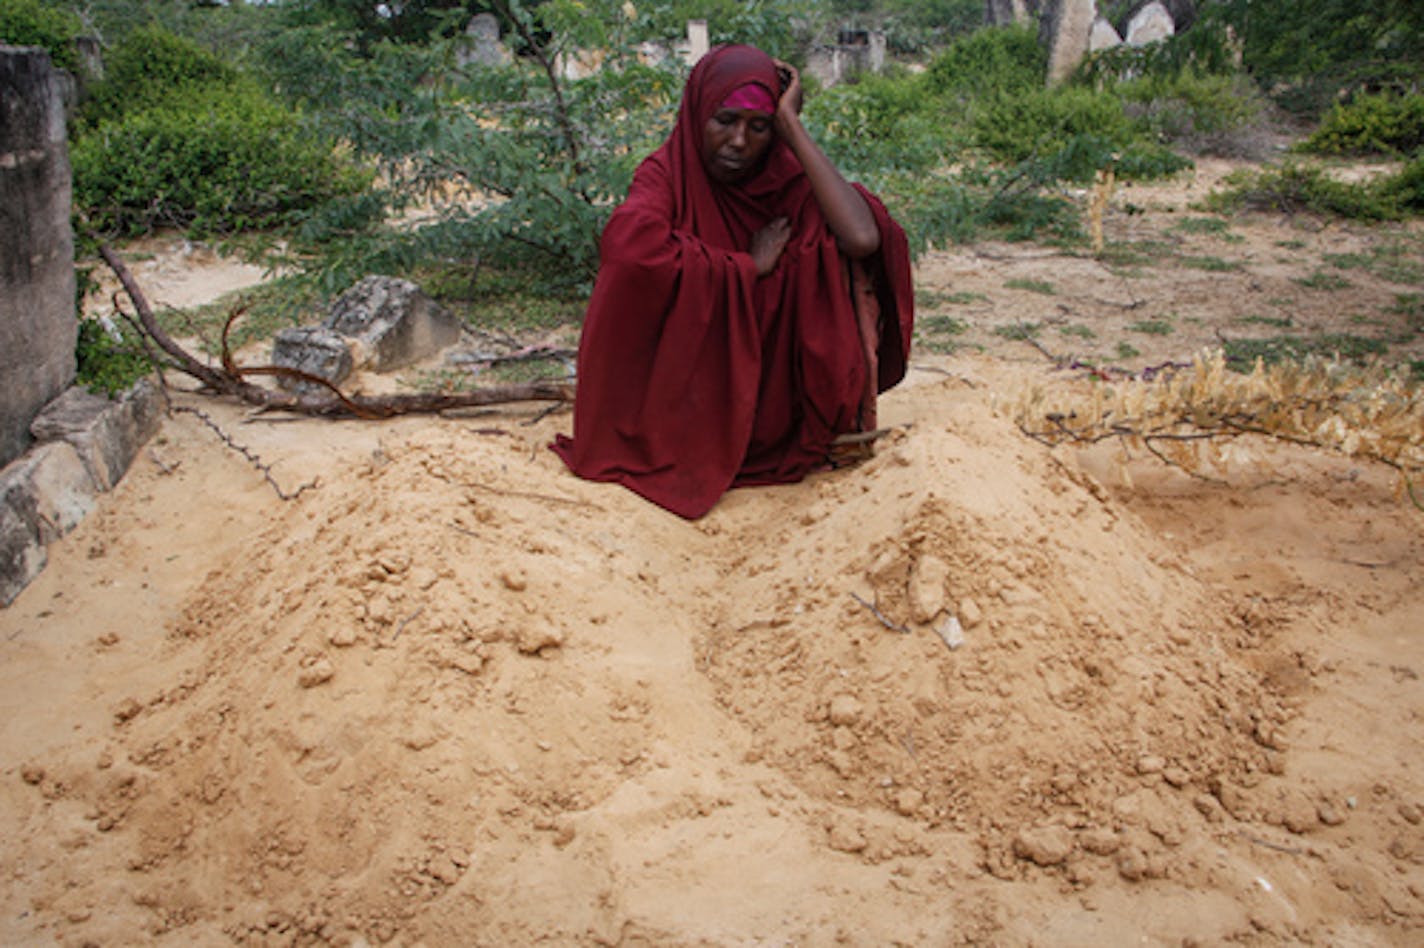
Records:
x=315, y=351
x=394, y=321
x=107, y=433
x=50, y=487
x=22, y=555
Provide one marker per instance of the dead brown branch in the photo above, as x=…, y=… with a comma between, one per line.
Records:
x=230, y=379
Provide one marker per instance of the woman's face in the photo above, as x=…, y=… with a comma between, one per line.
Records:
x=734, y=142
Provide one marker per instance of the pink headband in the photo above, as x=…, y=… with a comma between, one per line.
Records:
x=751, y=96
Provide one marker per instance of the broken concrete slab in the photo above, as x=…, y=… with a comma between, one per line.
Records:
x=50, y=487
x=22, y=555
x=107, y=433
x=394, y=321
x=315, y=351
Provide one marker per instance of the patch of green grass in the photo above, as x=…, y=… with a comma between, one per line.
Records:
x=1347, y=261
x=1209, y=263
x=1398, y=263
x=1078, y=332
x=943, y=325
x=1126, y=350
x=1320, y=280
x=1019, y=331
x=1201, y=225
x=1243, y=353
x=499, y=298
x=930, y=299
x=1416, y=370
x=1279, y=322
x=277, y=304
x=1033, y=286
x=1411, y=307
x=1153, y=327
x=1139, y=253
x=1292, y=244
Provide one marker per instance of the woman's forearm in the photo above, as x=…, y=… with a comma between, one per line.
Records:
x=846, y=212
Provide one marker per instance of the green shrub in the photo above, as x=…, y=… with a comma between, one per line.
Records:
x=150, y=67
x=1293, y=188
x=108, y=362
x=1188, y=104
x=29, y=23
x=882, y=123
x=1371, y=124
x=1028, y=123
x=1404, y=191
x=219, y=159
x=1005, y=59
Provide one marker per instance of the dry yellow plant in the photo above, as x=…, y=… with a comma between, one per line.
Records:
x=1192, y=417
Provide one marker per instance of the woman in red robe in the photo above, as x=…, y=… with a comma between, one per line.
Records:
x=750, y=302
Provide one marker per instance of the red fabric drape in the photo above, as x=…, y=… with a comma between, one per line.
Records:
x=693, y=374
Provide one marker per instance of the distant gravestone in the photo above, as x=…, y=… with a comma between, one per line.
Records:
x=38, y=327
x=481, y=45
x=1104, y=36
x=394, y=321
x=1065, y=29
x=697, y=41
x=1150, y=24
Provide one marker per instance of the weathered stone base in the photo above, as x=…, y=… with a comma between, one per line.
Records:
x=85, y=444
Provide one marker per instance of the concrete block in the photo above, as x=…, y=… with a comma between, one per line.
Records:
x=315, y=351
x=394, y=321
x=107, y=433
x=22, y=555
x=50, y=487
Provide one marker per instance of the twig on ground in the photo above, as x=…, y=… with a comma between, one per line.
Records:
x=875, y=611
x=162, y=467
x=252, y=458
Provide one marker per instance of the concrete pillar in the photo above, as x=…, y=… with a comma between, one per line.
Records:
x=697, y=42
x=877, y=51
x=1065, y=29
x=37, y=319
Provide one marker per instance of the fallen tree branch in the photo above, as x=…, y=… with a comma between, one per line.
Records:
x=875, y=611
x=231, y=380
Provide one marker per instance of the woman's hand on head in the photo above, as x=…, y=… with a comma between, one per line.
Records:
x=788, y=107
x=768, y=243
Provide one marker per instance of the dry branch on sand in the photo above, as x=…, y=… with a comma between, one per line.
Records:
x=230, y=379
x=1187, y=418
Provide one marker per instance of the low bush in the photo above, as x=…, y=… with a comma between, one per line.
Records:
x=1293, y=188
x=215, y=161
x=1008, y=60
x=883, y=124
x=149, y=67
x=1370, y=124
x=109, y=360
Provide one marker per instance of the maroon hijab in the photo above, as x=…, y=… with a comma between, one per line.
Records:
x=694, y=374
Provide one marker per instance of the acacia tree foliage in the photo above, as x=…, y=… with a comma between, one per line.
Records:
x=483, y=162
x=1307, y=50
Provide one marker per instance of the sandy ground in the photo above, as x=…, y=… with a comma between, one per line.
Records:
x=452, y=695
